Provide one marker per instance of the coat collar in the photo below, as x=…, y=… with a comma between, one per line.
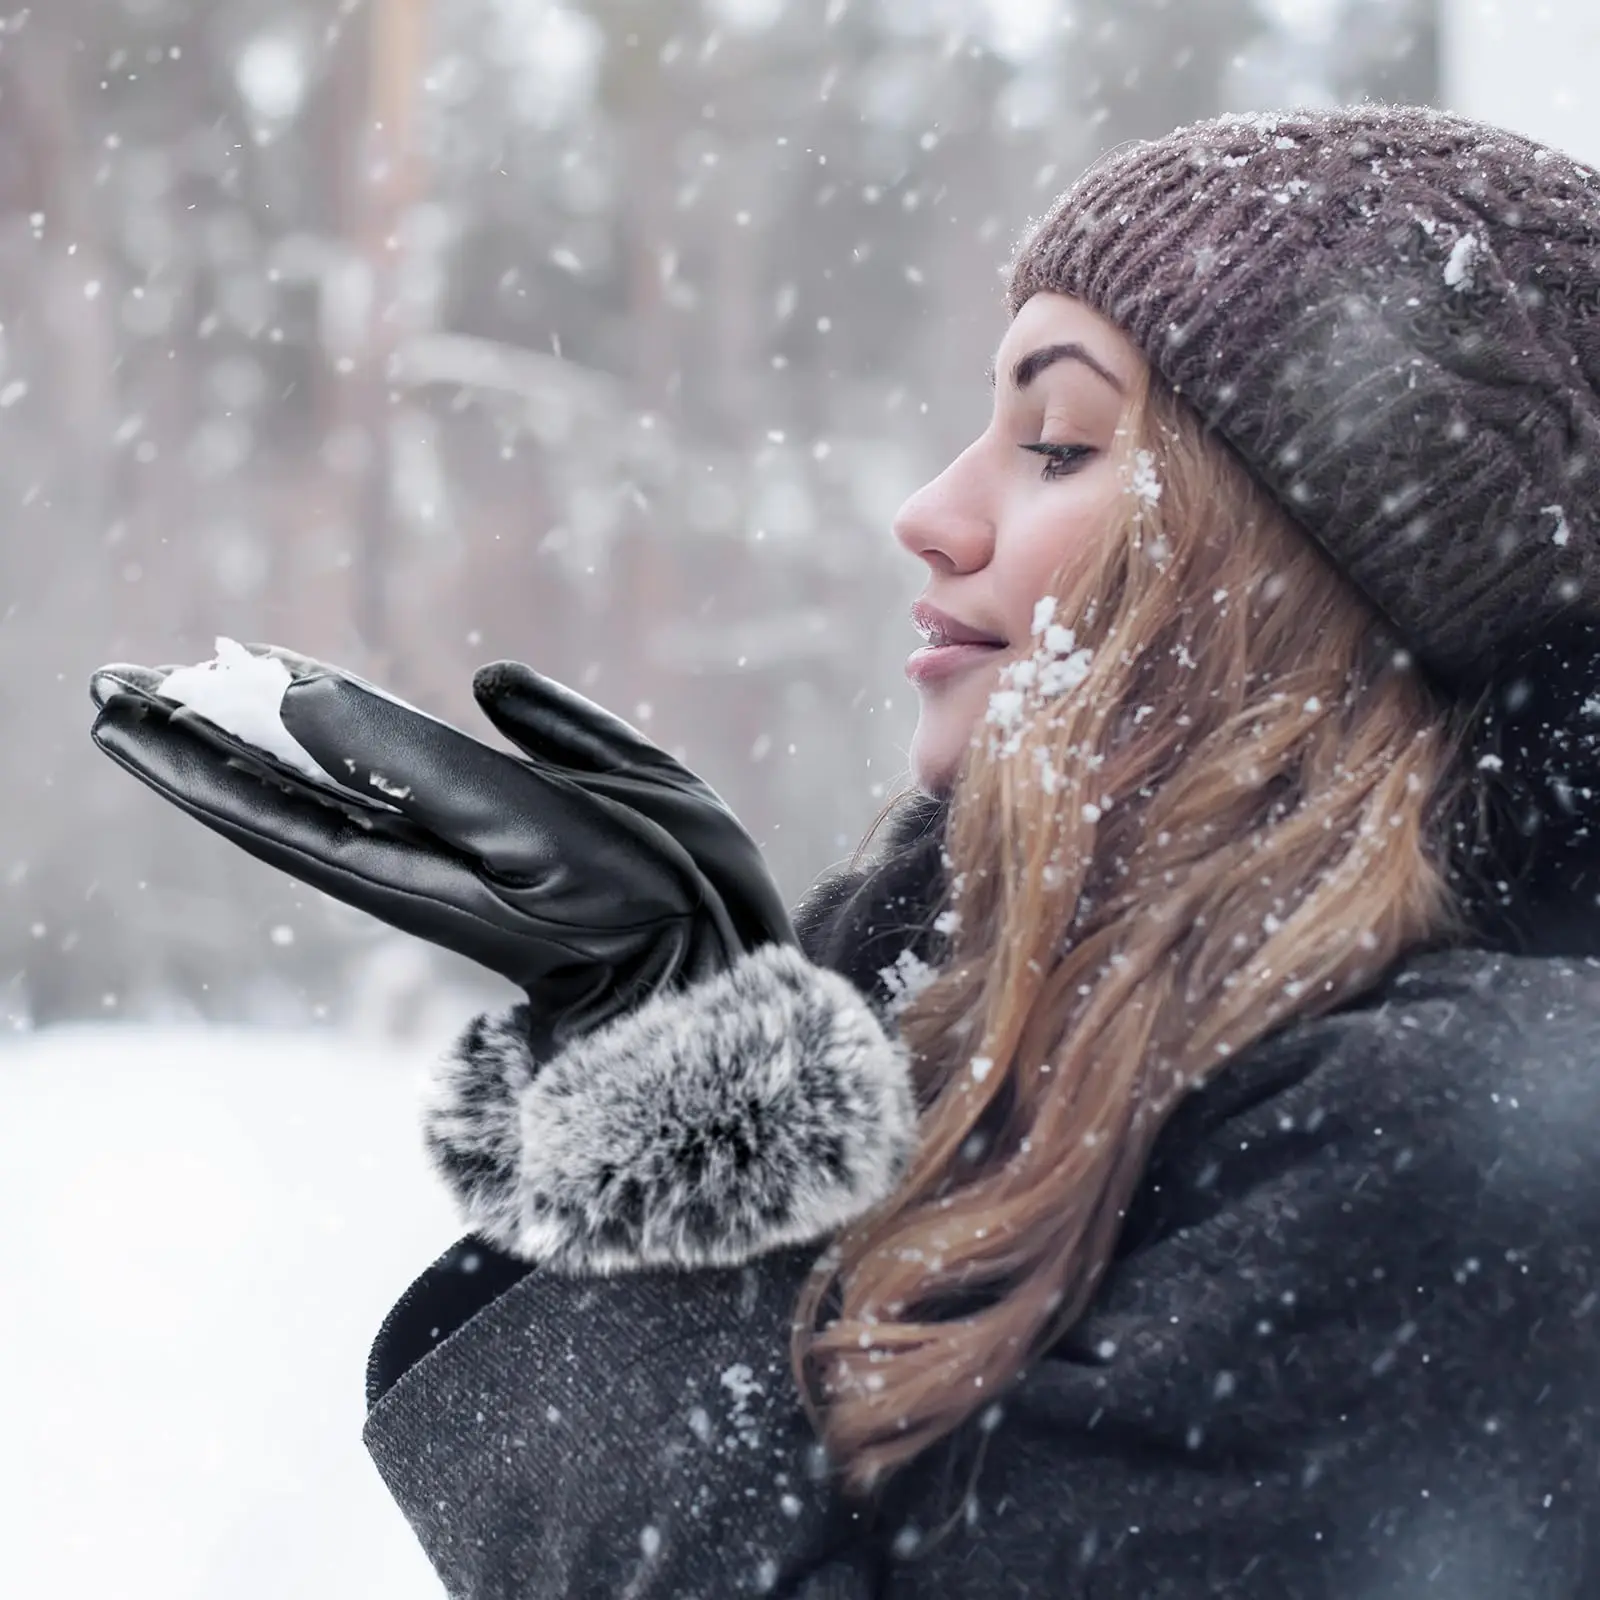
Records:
x=1530, y=876
x=871, y=917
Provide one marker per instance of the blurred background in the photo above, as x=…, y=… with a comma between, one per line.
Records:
x=605, y=334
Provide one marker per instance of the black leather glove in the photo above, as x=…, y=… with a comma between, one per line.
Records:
x=559, y=869
x=604, y=756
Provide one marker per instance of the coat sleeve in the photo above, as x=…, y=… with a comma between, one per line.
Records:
x=558, y=1406
x=761, y=1108
x=1354, y=1359
x=636, y=1435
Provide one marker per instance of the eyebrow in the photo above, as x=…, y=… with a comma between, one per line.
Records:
x=1035, y=362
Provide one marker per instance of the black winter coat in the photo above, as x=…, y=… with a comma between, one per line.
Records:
x=1349, y=1349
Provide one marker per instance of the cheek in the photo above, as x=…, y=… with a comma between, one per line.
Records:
x=1045, y=542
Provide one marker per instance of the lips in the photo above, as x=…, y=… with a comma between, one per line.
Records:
x=939, y=628
x=952, y=647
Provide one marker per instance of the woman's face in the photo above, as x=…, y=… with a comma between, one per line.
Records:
x=999, y=523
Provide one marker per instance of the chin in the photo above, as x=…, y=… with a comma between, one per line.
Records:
x=936, y=758
x=946, y=727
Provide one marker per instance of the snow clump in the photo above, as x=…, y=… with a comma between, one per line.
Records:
x=1143, y=482
x=243, y=695
x=1463, y=262
x=1056, y=666
x=904, y=979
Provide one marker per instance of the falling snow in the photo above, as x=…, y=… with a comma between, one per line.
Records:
x=608, y=338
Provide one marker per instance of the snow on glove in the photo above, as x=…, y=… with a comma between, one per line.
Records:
x=586, y=904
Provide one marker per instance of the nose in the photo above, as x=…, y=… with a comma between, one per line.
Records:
x=945, y=523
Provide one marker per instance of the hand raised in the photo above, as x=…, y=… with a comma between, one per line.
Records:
x=586, y=904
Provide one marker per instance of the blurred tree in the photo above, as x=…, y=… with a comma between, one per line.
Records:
x=1140, y=67
x=603, y=333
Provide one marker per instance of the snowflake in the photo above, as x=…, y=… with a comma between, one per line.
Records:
x=740, y=1382
x=1460, y=268
x=1055, y=667
x=1059, y=676
x=1143, y=481
x=904, y=979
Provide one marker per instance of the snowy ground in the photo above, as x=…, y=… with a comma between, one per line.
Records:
x=203, y=1229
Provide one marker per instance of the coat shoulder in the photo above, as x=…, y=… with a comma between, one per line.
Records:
x=1464, y=1088
x=1353, y=1316
x=1491, y=1062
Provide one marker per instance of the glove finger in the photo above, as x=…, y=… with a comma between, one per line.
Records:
x=525, y=824
x=554, y=724
x=204, y=769
x=383, y=866
x=255, y=750
x=309, y=667
x=202, y=734
x=562, y=732
x=602, y=891
x=728, y=858
x=118, y=677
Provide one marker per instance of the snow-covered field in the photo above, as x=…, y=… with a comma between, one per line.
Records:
x=202, y=1229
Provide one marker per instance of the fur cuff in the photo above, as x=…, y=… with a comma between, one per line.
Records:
x=761, y=1108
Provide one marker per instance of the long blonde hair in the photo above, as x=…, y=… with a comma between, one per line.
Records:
x=1232, y=822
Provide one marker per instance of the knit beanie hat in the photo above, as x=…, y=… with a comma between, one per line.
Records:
x=1392, y=315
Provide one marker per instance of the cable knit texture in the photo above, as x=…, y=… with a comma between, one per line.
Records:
x=1390, y=313
x=761, y=1108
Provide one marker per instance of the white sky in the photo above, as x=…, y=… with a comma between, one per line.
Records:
x=1532, y=67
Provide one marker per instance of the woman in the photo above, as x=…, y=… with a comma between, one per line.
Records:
x=1170, y=1169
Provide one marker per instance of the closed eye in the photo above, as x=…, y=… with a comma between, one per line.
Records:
x=1060, y=459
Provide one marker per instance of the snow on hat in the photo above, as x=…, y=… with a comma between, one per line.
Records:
x=1392, y=315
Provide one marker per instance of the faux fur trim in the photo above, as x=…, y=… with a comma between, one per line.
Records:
x=761, y=1108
